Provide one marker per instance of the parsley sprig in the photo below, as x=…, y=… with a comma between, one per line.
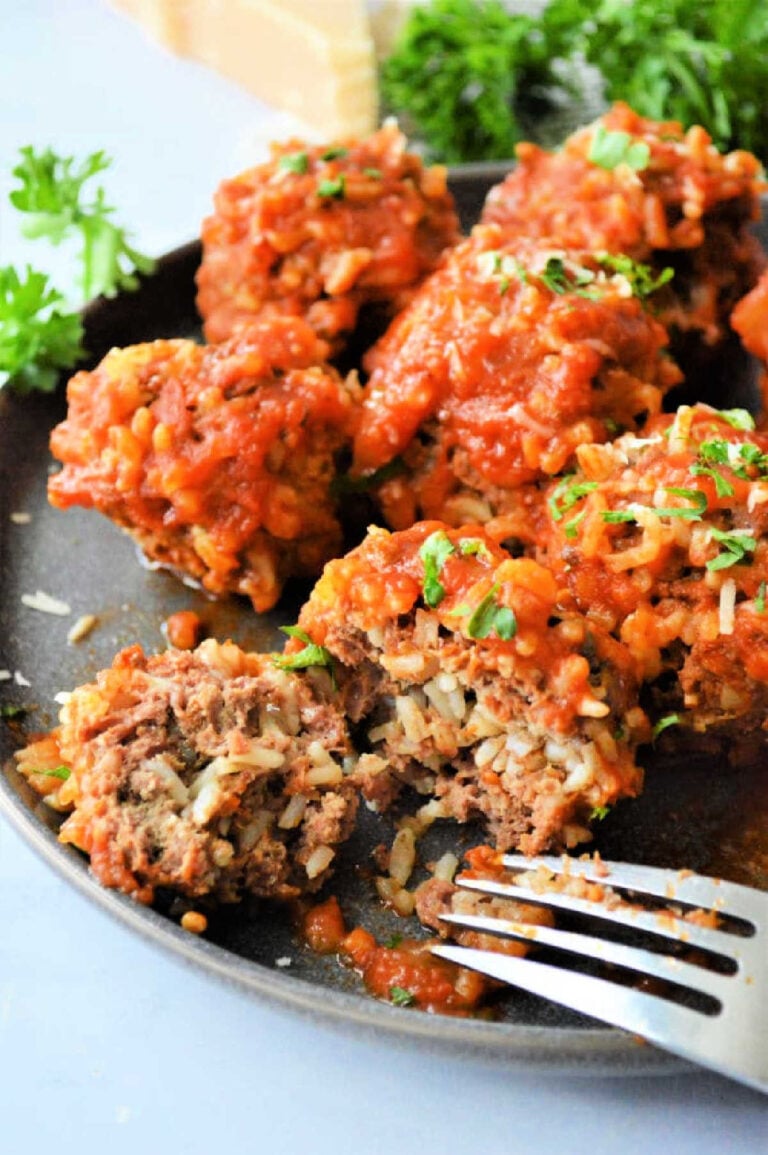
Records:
x=610, y=149
x=40, y=332
x=311, y=655
x=736, y=543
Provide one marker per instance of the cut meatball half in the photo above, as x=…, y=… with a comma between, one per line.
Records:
x=468, y=684
x=214, y=774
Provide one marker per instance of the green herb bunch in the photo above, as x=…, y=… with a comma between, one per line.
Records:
x=458, y=75
x=40, y=332
x=462, y=73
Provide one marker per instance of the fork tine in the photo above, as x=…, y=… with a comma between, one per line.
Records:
x=659, y=923
x=636, y=958
x=676, y=1027
x=674, y=886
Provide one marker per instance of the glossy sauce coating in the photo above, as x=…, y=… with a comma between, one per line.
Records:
x=318, y=231
x=217, y=459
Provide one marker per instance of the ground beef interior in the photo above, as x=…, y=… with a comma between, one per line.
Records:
x=213, y=773
x=530, y=727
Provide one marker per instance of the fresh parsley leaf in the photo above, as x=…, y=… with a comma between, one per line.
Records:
x=598, y=813
x=393, y=941
x=373, y=173
x=401, y=997
x=739, y=418
x=348, y=484
x=566, y=494
x=640, y=277
x=571, y=528
x=38, y=336
x=474, y=547
x=664, y=724
x=52, y=195
x=9, y=711
x=61, y=772
x=434, y=553
x=736, y=543
x=332, y=189
x=617, y=516
x=687, y=513
x=334, y=153
x=561, y=278
x=760, y=598
x=610, y=149
x=462, y=72
x=311, y=655
x=297, y=162
x=489, y=617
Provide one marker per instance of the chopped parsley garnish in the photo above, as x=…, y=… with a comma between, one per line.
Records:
x=567, y=494
x=401, y=997
x=739, y=418
x=332, y=189
x=490, y=617
x=610, y=149
x=560, y=278
x=434, y=552
x=334, y=153
x=294, y=162
x=311, y=655
x=474, y=547
x=760, y=599
x=617, y=516
x=686, y=512
x=664, y=724
x=639, y=277
x=598, y=813
x=61, y=772
x=723, y=487
x=9, y=711
x=373, y=173
x=736, y=543
x=347, y=484
x=571, y=528
x=393, y=941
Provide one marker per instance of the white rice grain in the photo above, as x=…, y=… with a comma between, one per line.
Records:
x=46, y=603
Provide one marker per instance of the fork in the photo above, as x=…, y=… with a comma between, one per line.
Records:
x=728, y=1034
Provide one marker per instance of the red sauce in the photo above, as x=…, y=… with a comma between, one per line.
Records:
x=316, y=232
x=182, y=629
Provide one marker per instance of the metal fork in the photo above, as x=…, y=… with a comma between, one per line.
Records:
x=729, y=1034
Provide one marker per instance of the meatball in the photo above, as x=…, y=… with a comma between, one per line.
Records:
x=663, y=541
x=320, y=231
x=508, y=357
x=217, y=460
x=213, y=773
x=654, y=192
x=468, y=685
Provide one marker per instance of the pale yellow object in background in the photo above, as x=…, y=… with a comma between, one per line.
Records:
x=313, y=58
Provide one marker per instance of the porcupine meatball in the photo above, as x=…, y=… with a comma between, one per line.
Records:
x=213, y=773
x=507, y=359
x=656, y=193
x=319, y=231
x=468, y=685
x=662, y=540
x=217, y=460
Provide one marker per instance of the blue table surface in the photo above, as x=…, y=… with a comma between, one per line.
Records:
x=103, y=1037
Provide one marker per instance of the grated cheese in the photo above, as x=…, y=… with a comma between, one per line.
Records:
x=727, y=606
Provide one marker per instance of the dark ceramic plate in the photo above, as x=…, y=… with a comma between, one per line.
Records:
x=691, y=814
